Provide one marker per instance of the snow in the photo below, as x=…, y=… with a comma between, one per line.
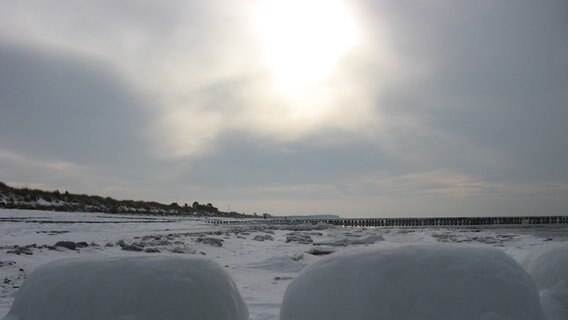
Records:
x=279, y=264
x=348, y=241
x=441, y=282
x=554, y=301
x=46, y=227
x=548, y=265
x=262, y=270
x=136, y=287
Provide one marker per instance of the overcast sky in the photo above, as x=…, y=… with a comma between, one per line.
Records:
x=363, y=108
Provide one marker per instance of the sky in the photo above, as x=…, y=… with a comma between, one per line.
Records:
x=362, y=108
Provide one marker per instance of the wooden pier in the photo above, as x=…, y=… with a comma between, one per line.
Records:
x=409, y=222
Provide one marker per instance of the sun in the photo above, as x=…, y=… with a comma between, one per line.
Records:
x=304, y=40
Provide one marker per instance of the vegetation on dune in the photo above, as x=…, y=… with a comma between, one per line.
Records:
x=36, y=199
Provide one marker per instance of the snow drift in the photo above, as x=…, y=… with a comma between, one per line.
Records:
x=133, y=288
x=436, y=282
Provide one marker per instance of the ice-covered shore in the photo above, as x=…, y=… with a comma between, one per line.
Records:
x=264, y=260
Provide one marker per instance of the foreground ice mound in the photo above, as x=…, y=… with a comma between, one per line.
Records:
x=548, y=266
x=129, y=288
x=436, y=282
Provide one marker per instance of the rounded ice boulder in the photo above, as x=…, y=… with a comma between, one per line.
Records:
x=548, y=265
x=129, y=288
x=413, y=282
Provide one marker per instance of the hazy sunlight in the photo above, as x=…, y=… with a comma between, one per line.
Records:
x=304, y=39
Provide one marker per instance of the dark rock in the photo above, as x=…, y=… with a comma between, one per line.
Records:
x=66, y=244
x=52, y=233
x=183, y=250
x=211, y=241
x=258, y=238
x=81, y=244
x=263, y=237
x=19, y=250
x=132, y=247
x=162, y=242
x=320, y=251
x=298, y=237
x=151, y=250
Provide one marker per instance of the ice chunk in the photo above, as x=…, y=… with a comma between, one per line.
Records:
x=434, y=282
x=134, y=288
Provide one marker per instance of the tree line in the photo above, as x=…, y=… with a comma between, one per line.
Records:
x=37, y=199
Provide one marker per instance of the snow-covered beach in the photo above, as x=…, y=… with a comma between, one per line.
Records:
x=264, y=259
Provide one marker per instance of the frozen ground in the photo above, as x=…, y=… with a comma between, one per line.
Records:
x=262, y=260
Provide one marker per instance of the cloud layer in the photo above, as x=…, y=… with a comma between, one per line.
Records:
x=441, y=108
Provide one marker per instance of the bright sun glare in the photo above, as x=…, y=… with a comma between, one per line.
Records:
x=304, y=39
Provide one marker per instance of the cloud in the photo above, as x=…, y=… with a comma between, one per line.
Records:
x=243, y=160
x=25, y=171
x=448, y=107
x=486, y=86
x=58, y=106
x=202, y=64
